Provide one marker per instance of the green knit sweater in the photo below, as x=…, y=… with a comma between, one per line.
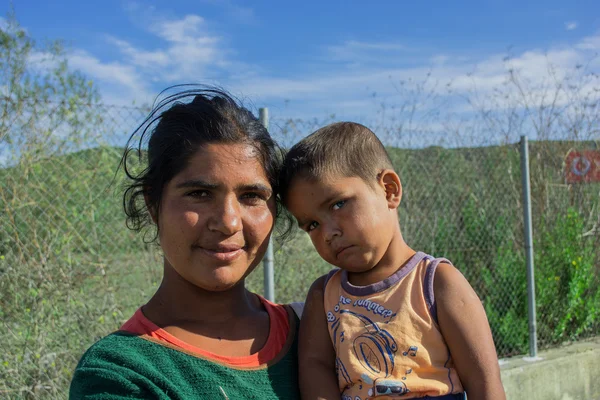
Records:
x=125, y=366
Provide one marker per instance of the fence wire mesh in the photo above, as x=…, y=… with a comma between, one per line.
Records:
x=71, y=272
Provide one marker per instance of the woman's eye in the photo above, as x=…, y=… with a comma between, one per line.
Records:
x=254, y=197
x=311, y=226
x=339, y=205
x=199, y=193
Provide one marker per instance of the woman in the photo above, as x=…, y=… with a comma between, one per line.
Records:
x=210, y=190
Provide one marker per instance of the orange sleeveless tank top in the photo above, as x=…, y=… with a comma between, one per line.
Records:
x=386, y=336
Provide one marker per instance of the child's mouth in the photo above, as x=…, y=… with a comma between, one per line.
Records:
x=342, y=250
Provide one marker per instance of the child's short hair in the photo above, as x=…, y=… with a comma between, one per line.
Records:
x=342, y=148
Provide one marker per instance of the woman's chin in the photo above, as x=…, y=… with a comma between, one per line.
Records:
x=220, y=280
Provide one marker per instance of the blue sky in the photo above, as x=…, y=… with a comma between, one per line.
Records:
x=313, y=59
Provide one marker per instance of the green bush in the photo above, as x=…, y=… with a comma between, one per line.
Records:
x=567, y=285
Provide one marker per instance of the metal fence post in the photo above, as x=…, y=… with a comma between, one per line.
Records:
x=528, y=247
x=269, y=276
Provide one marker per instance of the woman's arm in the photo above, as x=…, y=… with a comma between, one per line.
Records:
x=316, y=356
x=466, y=330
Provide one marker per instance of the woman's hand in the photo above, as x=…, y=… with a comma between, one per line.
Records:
x=316, y=355
x=465, y=328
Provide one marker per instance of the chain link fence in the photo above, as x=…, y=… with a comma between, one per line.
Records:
x=71, y=272
x=465, y=203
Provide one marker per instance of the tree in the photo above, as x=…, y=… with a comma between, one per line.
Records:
x=45, y=107
x=47, y=112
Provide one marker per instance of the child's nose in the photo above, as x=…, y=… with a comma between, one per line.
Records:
x=331, y=232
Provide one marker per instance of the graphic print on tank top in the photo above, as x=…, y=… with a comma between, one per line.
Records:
x=372, y=345
x=385, y=335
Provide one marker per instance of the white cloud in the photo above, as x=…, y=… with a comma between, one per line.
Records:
x=40, y=61
x=440, y=59
x=437, y=88
x=179, y=31
x=537, y=66
x=140, y=58
x=121, y=84
x=188, y=51
x=590, y=43
x=571, y=25
x=113, y=72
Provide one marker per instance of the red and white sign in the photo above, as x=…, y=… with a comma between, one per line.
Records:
x=582, y=166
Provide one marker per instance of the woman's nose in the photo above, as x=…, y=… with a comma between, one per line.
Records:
x=226, y=218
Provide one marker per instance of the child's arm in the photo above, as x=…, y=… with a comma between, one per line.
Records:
x=466, y=330
x=316, y=356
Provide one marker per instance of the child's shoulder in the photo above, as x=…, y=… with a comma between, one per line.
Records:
x=447, y=276
x=316, y=292
x=321, y=282
x=441, y=267
x=318, y=285
x=431, y=265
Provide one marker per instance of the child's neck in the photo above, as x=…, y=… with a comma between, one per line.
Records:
x=396, y=256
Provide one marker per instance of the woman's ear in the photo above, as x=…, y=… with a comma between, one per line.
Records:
x=390, y=182
x=151, y=209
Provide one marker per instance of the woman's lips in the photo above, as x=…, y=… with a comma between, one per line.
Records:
x=222, y=252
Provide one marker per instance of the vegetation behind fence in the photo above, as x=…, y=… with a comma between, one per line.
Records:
x=70, y=271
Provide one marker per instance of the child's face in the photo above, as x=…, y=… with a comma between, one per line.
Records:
x=350, y=223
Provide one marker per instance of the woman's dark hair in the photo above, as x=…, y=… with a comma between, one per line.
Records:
x=176, y=128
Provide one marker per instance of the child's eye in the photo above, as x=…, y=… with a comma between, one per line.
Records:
x=339, y=205
x=311, y=226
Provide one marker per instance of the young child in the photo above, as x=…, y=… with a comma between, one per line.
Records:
x=390, y=322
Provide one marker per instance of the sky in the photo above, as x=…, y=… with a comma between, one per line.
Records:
x=309, y=59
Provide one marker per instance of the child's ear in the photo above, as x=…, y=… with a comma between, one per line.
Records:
x=390, y=182
x=151, y=209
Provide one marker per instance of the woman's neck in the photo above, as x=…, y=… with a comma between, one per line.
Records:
x=178, y=301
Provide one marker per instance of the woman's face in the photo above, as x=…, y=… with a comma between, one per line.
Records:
x=216, y=216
